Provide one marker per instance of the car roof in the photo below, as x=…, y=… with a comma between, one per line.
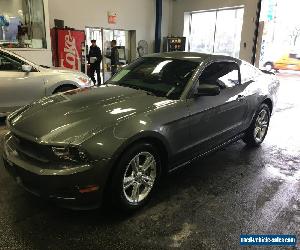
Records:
x=192, y=56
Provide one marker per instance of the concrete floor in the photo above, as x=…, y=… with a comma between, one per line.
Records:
x=204, y=206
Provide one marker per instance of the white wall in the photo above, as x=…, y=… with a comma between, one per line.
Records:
x=10, y=6
x=136, y=15
x=167, y=18
x=181, y=6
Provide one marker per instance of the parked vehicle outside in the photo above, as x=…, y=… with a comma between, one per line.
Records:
x=289, y=61
x=156, y=115
x=22, y=82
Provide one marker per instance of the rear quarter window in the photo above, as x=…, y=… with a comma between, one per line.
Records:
x=248, y=72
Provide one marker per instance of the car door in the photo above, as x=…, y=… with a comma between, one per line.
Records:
x=216, y=119
x=18, y=88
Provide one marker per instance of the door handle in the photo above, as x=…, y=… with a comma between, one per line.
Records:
x=240, y=98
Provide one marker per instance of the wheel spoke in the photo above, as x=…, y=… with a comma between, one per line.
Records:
x=263, y=115
x=256, y=132
x=135, y=163
x=135, y=192
x=148, y=181
x=128, y=182
x=148, y=163
x=264, y=124
x=262, y=133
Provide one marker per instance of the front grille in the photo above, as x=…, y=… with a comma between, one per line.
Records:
x=31, y=150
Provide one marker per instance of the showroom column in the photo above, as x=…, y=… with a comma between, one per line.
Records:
x=255, y=38
x=158, y=26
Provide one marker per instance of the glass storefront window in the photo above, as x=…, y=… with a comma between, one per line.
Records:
x=202, y=32
x=216, y=31
x=228, y=32
x=22, y=24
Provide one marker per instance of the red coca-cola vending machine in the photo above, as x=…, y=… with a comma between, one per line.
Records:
x=68, y=48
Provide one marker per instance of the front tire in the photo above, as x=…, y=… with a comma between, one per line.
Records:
x=258, y=129
x=136, y=177
x=269, y=66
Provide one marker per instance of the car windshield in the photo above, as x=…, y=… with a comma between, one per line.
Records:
x=158, y=76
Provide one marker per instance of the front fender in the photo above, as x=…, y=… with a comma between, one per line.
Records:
x=50, y=88
x=109, y=145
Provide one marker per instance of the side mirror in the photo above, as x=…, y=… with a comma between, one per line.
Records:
x=120, y=67
x=208, y=90
x=267, y=72
x=26, y=68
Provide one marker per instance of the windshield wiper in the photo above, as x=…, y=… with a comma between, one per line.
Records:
x=148, y=91
x=138, y=88
x=129, y=86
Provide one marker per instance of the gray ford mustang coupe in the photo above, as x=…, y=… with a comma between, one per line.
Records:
x=155, y=115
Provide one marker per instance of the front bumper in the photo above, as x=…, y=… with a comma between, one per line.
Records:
x=67, y=187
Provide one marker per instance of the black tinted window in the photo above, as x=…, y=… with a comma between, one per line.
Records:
x=161, y=76
x=223, y=74
x=8, y=63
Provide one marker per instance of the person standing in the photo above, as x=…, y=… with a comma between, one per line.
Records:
x=95, y=58
x=114, y=57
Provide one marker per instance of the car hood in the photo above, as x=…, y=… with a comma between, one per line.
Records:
x=59, y=70
x=77, y=115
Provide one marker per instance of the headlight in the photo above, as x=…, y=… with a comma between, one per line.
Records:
x=71, y=153
x=84, y=81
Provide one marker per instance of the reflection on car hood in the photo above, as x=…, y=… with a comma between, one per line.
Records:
x=76, y=115
x=59, y=70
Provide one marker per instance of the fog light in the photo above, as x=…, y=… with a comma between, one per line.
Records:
x=88, y=189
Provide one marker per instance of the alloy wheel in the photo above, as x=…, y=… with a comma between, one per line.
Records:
x=139, y=177
x=261, y=125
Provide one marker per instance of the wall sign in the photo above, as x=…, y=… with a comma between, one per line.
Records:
x=69, y=47
x=112, y=17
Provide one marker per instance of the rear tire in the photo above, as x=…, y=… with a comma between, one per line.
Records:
x=258, y=129
x=136, y=177
x=63, y=88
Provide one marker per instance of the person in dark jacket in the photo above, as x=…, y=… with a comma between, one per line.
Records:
x=114, y=57
x=95, y=58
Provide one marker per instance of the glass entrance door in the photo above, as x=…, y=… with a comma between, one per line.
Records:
x=107, y=35
x=93, y=34
x=123, y=43
x=103, y=39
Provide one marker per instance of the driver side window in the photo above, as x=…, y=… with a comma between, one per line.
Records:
x=9, y=64
x=222, y=74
